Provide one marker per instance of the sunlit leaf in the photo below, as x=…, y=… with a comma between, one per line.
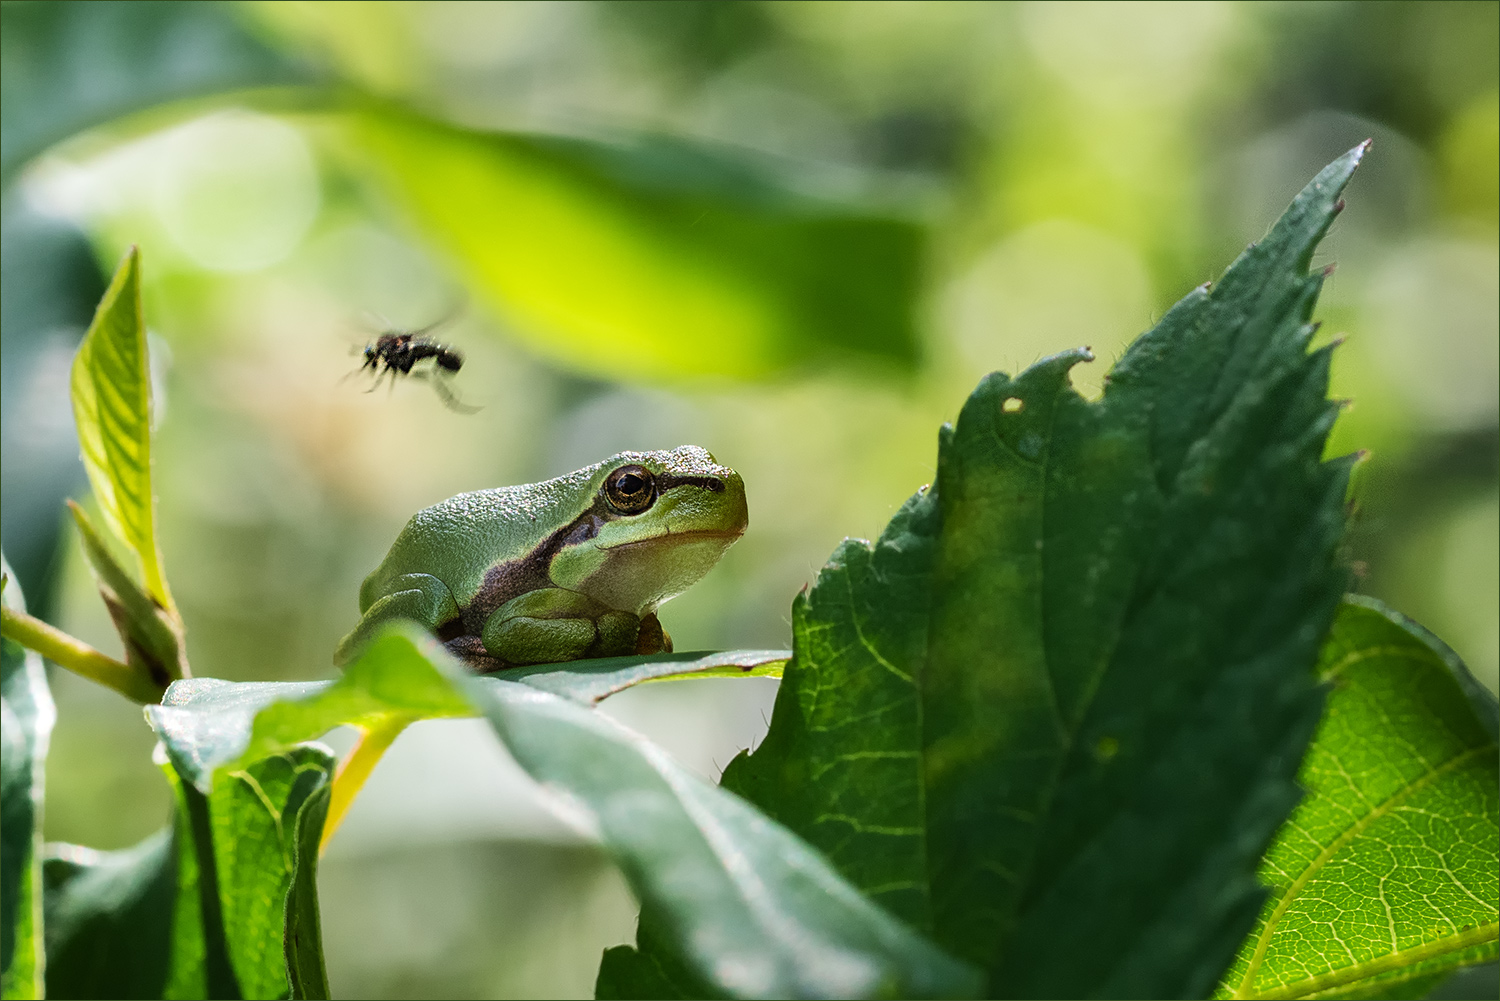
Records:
x=111, y=387
x=760, y=914
x=1054, y=715
x=655, y=258
x=1385, y=878
x=591, y=681
x=26, y=704
x=215, y=724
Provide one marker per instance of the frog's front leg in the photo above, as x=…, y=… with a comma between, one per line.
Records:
x=418, y=596
x=553, y=624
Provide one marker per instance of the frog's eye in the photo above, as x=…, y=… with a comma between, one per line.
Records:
x=630, y=489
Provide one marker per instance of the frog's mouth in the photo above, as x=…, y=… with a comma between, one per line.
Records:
x=677, y=538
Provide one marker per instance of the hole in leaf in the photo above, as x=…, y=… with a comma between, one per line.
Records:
x=1013, y=405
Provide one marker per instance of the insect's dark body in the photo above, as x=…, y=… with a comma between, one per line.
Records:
x=398, y=352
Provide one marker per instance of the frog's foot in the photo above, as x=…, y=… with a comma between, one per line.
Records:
x=471, y=653
x=652, y=637
x=417, y=596
x=554, y=624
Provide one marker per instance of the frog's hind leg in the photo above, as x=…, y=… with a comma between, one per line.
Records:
x=417, y=596
x=552, y=625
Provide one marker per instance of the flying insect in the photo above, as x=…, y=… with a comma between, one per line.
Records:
x=400, y=352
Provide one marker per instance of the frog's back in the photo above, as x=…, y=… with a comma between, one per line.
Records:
x=461, y=538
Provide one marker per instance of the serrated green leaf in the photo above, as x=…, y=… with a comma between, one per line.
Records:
x=111, y=388
x=655, y=258
x=1080, y=666
x=840, y=764
x=69, y=66
x=1385, y=877
x=26, y=704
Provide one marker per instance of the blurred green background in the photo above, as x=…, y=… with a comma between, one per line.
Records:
x=795, y=233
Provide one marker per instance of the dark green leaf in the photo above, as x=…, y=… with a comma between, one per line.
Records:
x=68, y=66
x=651, y=970
x=752, y=909
x=1384, y=880
x=130, y=923
x=841, y=763
x=109, y=920
x=26, y=704
x=656, y=258
x=220, y=905
x=1084, y=660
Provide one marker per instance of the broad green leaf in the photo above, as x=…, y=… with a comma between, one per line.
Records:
x=26, y=705
x=752, y=909
x=109, y=920
x=841, y=764
x=221, y=904
x=652, y=969
x=761, y=914
x=655, y=258
x=1083, y=660
x=111, y=387
x=267, y=817
x=209, y=724
x=1384, y=880
x=70, y=66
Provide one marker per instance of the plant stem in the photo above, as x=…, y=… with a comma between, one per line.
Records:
x=374, y=740
x=78, y=657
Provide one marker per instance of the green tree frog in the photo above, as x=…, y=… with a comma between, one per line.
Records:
x=569, y=568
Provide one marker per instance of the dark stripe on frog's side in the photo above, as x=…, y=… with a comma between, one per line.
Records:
x=512, y=578
x=507, y=580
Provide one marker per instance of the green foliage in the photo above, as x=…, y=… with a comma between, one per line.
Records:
x=26, y=705
x=1081, y=663
x=768, y=917
x=1384, y=879
x=222, y=904
x=655, y=258
x=1039, y=739
x=70, y=66
x=591, y=681
x=111, y=390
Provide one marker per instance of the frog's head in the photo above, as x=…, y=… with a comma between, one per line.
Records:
x=658, y=522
